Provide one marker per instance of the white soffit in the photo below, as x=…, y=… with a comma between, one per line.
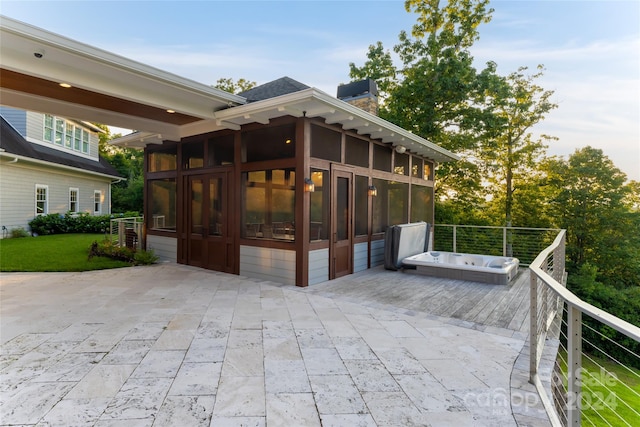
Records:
x=86, y=67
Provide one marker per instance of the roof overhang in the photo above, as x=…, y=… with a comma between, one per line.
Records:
x=315, y=103
x=116, y=91
x=105, y=87
x=15, y=158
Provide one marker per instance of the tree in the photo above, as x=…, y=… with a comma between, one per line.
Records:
x=127, y=194
x=228, y=85
x=436, y=93
x=378, y=67
x=511, y=153
x=590, y=202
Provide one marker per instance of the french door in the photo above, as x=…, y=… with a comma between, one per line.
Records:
x=209, y=226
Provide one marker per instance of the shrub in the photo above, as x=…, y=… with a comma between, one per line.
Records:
x=144, y=257
x=74, y=223
x=108, y=249
x=19, y=232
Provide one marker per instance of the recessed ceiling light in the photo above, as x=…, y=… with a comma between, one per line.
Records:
x=171, y=111
x=65, y=85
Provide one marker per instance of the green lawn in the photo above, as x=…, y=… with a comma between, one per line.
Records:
x=609, y=398
x=59, y=252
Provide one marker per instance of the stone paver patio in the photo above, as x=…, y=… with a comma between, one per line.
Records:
x=171, y=345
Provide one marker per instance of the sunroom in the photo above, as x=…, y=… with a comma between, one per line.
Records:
x=297, y=188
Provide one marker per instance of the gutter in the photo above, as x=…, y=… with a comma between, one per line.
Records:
x=56, y=165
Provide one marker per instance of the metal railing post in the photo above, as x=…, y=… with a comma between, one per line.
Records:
x=455, y=238
x=533, y=327
x=504, y=241
x=574, y=365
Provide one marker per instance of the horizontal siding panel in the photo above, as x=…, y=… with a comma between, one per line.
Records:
x=276, y=265
x=377, y=252
x=360, y=256
x=166, y=248
x=318, y=266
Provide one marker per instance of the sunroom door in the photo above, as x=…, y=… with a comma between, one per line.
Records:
x=209, y=241
x=341, y=248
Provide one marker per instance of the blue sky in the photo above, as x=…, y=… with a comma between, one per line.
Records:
x=591, y=49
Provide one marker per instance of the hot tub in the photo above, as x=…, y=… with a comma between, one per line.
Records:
x=497, y=270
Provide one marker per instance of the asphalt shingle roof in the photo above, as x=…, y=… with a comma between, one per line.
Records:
x=281, y=86
x=12, y=142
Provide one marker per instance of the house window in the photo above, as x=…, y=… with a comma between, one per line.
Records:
x=319, y=210
x=59, y=131
x=162, y=203
x=270, y=143
x=401, y=165
x=326, y=143
x=390, y=206
x=73, y=200
x=68, y=135
x=64, y=133
x=193, y=155
x=97, y=202
x=48, y=128
x=381, y=158
x=268, y=204
x=163, y=160
x=77, y=139
x=421, y=203
x=356, y=152
x=220, y=150
x=42, y=202
x=85, y=142
x=428, y=171
x=362, y=205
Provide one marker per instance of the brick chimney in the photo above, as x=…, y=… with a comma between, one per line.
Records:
x=362, y=94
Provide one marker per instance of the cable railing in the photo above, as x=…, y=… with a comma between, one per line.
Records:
x=595, y=379
x=519, y=242
x=127, y=232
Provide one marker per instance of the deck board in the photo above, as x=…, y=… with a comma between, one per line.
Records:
x=486, y=304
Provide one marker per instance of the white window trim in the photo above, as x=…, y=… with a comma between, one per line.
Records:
x=72, y=189
x=68, y=135
x=46, y=200
x=99, y=194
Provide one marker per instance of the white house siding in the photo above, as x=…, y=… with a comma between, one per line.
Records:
x=377, y=252
x=166, y=248
x=18, y=185
x=276, y=265
x=360, y=256
x=17, y=118
x=318, y=266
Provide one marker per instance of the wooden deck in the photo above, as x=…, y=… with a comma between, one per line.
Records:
x=496, y=306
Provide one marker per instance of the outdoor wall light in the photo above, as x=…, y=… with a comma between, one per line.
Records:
x=400, y=149
x=373, y=191
x=309, y=186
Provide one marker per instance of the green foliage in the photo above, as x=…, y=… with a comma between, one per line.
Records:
x=127, y=194
x=69, y=223
x=74, y=223
x=19, y=232
x=590, y=200
x=623, y=303
x=121, y=253
x=61, y=252
x=228, y=85
x=510, y=153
